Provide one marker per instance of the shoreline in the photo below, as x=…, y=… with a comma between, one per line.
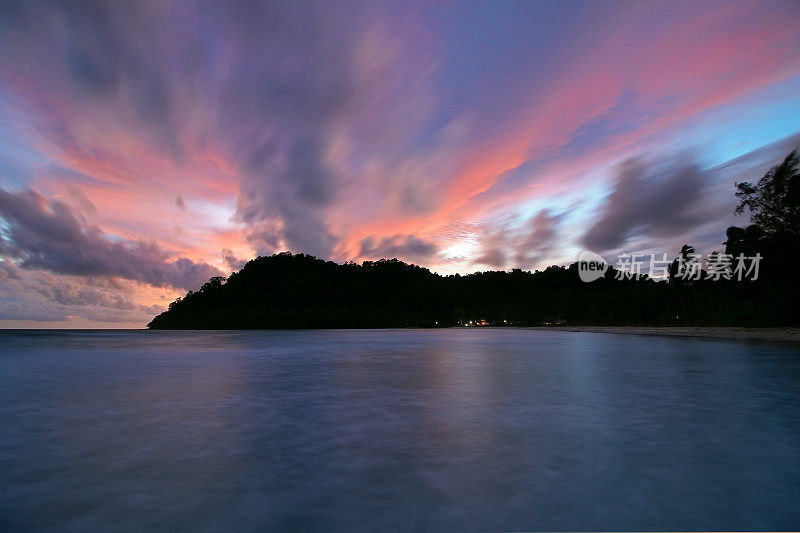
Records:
x=721, y=332
x=773, y=334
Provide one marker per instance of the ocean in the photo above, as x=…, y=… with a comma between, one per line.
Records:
x=474, y=429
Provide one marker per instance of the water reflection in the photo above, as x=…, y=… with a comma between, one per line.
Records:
x=445, y=429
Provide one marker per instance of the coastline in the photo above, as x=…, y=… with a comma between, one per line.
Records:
x=729, y=333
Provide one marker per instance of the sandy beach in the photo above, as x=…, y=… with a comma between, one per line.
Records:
x=731, y=333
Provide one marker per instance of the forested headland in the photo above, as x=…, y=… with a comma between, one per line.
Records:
x=300, y=291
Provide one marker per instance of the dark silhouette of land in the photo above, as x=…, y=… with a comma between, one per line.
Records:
x=300, y=291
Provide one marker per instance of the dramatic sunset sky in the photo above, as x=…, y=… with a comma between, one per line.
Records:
x=146, y=146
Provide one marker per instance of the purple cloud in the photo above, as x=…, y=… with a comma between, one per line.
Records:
x=48, y=235
x=406, y=247
x=649, y=199
x=511, y=245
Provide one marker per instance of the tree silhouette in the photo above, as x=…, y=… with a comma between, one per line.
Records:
x=774, y=203
x=678, y=268
x=774, y=206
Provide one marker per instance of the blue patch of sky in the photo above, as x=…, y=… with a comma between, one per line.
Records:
x=19, y=159
x=747, y=124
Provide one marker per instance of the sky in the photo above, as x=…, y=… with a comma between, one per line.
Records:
x=146, y=146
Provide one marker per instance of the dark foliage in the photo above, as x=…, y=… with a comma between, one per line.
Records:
x=774, y=207
x=300, y=291
x=774, y=203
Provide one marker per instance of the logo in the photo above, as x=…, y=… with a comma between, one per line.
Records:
x=591, y=266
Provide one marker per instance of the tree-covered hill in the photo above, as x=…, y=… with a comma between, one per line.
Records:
x=300, y=291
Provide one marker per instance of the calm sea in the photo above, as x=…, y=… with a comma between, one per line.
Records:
x=454, y=429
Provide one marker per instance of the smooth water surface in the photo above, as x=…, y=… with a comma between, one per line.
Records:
x=456, y=429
